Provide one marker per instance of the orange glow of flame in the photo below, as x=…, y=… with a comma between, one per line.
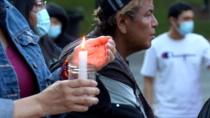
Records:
x=83, y=44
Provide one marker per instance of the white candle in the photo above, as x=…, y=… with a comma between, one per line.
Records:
x=83, y=61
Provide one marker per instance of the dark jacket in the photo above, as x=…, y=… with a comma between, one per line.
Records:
x=117, y=70
x=50, y=51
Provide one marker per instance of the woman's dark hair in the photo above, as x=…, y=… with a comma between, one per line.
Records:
x=56, y=11
x=24, y=6
x=105, y=16
x=177, y=9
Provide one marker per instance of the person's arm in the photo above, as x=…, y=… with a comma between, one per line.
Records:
x=27, y=108
x=206, y=53
x=148, y=89
x=6, y=108
x=63, y=96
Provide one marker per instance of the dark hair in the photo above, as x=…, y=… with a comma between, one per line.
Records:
x=24, y=6
x=105, y=16
x=56, y=11
x=177, y=9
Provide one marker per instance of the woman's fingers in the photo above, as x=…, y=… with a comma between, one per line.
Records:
x=89, y=91
x=82, y=100
x=81, y=83
x=111, y=41
x=101, y=51
x=98, y=41
x=78, y=108
x=111, y=51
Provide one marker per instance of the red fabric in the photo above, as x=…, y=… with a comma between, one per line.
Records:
x=26, y=78
x=64, y=73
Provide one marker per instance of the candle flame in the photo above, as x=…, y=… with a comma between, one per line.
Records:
x=83, y=44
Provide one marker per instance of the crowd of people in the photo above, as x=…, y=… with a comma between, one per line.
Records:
x=36, y=47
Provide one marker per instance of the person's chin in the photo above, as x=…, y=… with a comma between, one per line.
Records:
x=147, y=44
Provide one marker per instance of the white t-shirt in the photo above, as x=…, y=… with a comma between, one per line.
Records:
x=176, y=66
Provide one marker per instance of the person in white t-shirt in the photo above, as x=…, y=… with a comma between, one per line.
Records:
x=172, y=65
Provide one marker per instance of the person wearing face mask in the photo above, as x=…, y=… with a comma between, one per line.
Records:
x=59, y=20
x=171, y=67
x=59, y=23
x=36, y=15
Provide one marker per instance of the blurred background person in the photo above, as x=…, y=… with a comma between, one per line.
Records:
x=71, y=31
x=59, y=20
x=59, y=23
x=171, y=67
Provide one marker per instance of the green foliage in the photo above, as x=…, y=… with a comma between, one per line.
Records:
x=161, y=8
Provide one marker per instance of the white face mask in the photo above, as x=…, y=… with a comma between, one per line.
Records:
x=55, y=31
x=186, y=27
x=43, y=22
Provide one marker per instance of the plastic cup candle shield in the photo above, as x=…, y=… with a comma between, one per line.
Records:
x=83, y=60
x=79, y=66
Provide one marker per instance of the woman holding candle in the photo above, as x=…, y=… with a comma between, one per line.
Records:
x=23, y=74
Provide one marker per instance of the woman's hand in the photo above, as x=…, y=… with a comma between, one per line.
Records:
x=101, y=51
x=62, y=96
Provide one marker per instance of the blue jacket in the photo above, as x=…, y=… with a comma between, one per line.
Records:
x=27, y=44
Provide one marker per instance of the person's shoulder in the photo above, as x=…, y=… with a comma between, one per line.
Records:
x=197, y=38
x=160, y=39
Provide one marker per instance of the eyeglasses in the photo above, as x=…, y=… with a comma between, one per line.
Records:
x=39, y=5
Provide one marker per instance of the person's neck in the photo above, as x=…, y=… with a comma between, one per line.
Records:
x=175, y=35
x=121, y=46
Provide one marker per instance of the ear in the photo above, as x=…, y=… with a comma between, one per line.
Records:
x=122, y=23
x=173, y=21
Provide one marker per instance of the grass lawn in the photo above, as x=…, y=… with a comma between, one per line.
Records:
x=161, y=7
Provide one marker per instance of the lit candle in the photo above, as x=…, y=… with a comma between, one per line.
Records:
x=83, y=60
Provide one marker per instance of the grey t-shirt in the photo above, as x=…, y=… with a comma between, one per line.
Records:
x=120, y=93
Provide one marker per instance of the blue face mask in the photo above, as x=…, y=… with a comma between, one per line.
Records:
x=43, y=22
x=186, y=27
x=55, y=31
